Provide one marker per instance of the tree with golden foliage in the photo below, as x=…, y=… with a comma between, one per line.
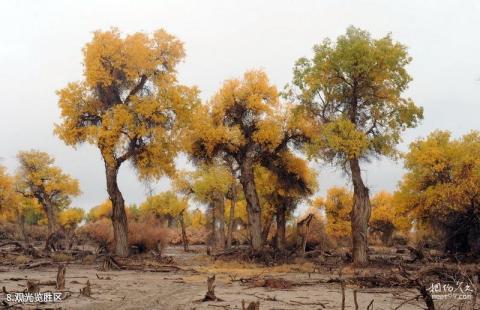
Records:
x=282, y=190
x=8, y=195
x=209, y=184
x=441, y=188
x=38, y=178
x=387, y=217
x=243, y=122
x=130, y=106
x=70, y=218
x=337, y=206
x=353, y=90
x=103, y=210
x=165, y=205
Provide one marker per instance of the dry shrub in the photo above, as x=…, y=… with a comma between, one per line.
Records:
x=37, y=232
x=100, y=231
x=61, y=257
x=8, y=230
x=317, y=237
x=196, y=236
x=21, y=259
x=147, y=235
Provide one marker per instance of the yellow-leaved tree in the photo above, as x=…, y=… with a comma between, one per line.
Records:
x=353, y=89
x=37, y=178
x=209, y=184
x=243, y=122
x=441, y=188
x=130, y=106
x=387, y=216
x=337, y=206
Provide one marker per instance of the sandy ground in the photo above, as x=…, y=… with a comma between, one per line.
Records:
x=184, y=289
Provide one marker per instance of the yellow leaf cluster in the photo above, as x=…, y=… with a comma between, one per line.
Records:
x=71, y=217
x=337, y=206
x=129, y=104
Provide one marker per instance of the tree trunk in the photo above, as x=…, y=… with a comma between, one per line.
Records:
x=232, y=215
x=253, y=203
x=51, y=218
x=119, y=216
x=266, y=227
x=303, y=228
x=281, y=226
x=23, y=230
x=360, y=216
x=184, y=231
x=219, y=223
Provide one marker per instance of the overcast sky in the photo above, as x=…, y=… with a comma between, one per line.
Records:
x=41, y=43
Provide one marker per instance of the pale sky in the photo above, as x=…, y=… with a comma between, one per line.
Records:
x=41, y=51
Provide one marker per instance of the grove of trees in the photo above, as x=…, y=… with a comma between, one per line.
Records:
x=251, y=147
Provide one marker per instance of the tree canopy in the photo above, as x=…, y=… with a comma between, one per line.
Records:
x=353, y=90
x=441, y=188
x=39, y=179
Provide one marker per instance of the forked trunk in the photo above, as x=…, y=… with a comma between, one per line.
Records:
x=219, y=205
x=253, y=204
x=119, y=216
x=281, y=226
x=232, y=216
x=360, y=216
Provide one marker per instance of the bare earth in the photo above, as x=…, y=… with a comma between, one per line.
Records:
x=184, y=289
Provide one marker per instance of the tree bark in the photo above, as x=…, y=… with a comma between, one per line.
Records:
x=219, y=221
x=266, y=227
x=184, y=231
x=51, y=218
x=253, y=203
x=232, y=215
x=119, y=216
x=360, y=215
x=303, y=228
x=23, y=229
x=281, y=226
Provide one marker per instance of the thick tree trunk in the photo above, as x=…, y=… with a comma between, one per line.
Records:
x=266, y=227
x=281, y=226
x=219, y=223
x=253, y=203
x=119, y=216
x=184, y=231
x=51, y=218
x=232, y=216
x=360, y=215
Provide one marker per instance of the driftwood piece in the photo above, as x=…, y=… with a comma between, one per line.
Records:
x=251, y=306
x=61, y=277
x=35, y=265
x=210, y=295
x=87, y=290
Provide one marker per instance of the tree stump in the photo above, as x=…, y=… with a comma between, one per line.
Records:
x=33, y=286
x=61, y=277
x=86, y=291
x=210, y=295
x=251, y=306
